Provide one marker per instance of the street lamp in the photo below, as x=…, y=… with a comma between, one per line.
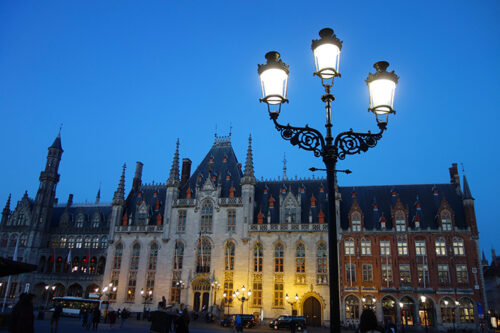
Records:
x=381, y=86
x=226, y=302
x=180, y=285
x=243, y=298
x=423, y=299
x=215, y=287
x=292, y=303
x=148, y=296
x=402, y=315
x=109, y=290
x=47, y=287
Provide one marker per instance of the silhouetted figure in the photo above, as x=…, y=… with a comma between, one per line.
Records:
x=96, y=318
x=368, y=322
x=54, y=321
x=182, y=321
x=22, y=318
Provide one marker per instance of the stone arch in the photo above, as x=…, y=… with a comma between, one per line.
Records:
x=91, y=288
x=466, y=310
x=60, y=290
x=75, y=290
x=201, y=292
x=447, y=310
x=101, y=264
x=307, y=303
x=389, y=308
x=408, y=311
x=427, y=312
x=40, y=293
x=352, y=311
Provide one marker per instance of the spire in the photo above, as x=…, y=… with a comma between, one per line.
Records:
x=248, y=175
x=5, y=212
x=173, y=178
x=7, y=206
x=98, y=196
x=120, y=191
x=467, y=193
x=57, y=142
x=284, y=167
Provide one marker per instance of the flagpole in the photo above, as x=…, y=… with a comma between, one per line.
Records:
x=14, y=258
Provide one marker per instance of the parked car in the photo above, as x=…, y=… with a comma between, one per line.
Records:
x=248, y=320
x=285, y=321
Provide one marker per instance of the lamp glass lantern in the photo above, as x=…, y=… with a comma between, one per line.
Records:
x=274, y=81
x=327, y=54
x=381, y=89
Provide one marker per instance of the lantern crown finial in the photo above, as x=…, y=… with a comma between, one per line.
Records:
x=273, y=61
x=326, y=32
x=381, y=66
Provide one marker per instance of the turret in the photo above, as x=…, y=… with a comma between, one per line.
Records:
x=248, y=190
x=172, y=192
x=5, y=212
x=173, y=178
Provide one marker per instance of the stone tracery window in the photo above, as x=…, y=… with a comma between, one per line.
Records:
x=207, y=211
x=321, y=264
x=203, y=257
x=300, y=258
x=279, y=257
x=229, y=256
x=258, y=257
x=290, y=211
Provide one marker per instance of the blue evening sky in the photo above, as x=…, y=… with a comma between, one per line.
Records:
x=127, y=78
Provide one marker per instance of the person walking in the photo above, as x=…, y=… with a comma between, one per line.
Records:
x=112, y=319
x=182, y=321
x=238, y=323
x=54, y=321
x=85, y=317
x=96, y=318
x=124, y=315
x=22, y=319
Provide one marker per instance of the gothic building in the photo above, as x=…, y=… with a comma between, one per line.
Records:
x=202, y=236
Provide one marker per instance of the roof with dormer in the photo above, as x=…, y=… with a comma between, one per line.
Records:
x=73, y=210
x=149, y=196
x=220, y=167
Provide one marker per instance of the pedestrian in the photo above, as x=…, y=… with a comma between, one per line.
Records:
x=22, y=319
x=112, y=319
x=238, y=323
x=90, y=319
x=182, y=321
x=160, y=321
x=368, y=322
x=96, y=318
x=293, y=326
x=124, y=315
x=54, y=321
x=85, y=317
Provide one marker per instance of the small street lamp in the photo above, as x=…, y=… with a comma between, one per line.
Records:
x=47, y=287
x=226, y=302
x=109, y=291
x=148, y=296
x=402, y=315
x=424, y=304
x=243, y=298
x=180, y=285
x=381, y=87
x=292, y=303
x=215, y=287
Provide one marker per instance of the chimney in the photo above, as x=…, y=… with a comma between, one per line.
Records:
x=70, y=201
x=186, y=171
x=454, y=178
x=137, y=177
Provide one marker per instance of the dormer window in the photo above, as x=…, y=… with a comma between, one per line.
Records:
x=321, y=217
x=313, y=201
x=400, y=221
x=356, y=221
x=260, y=218
x=446, y=220
x=290, y=212
x=96, y=220
x=417, y=222
x=349, y=247
x=271, y=202
x=79, y=220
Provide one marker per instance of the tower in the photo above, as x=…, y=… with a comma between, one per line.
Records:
x=44, y=200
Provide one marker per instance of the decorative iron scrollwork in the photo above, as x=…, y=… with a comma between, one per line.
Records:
x=305, y=137
x=350, y=143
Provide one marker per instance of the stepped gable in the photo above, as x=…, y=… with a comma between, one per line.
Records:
x=87, y=209
x=146, y=193
x=220, y=162
x=264, y=190
x=408, y=194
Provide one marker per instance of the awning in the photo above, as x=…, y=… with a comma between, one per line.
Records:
x=11, y=267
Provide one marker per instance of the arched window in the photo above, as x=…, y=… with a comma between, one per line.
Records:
x=356, y=221
x=95, y=242
x=134, y=259
x=132, y=274
x=79, y=220
x=229, y=256
x=290, y=212
x=76, y=264
x=62, y=242
x=92, y=265
x=366, y=247
x=23, y=240
x=87, y=242
x=258, y=257
x=78, y=242
x=104, y=242
x=349, y=247
x=117, y=259
x=300, y=258
x=466, y=310
x=440, y=245
x=96, y=220
x=71, y=242
x=447, y=310
x=351, y=308
x=279, y=254
x=179, y=254
x=446, y=220
x=321, y=264
x=153, y=257
x=458, y=247
x=207, y=211
x=400, y=221
x=54, y=242
x=204, y=252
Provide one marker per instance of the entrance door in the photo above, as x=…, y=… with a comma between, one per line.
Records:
x=312, y=312
x=196, y=303
x=205, y=300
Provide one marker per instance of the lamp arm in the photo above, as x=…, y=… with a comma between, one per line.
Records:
x=306, y=137
x=350, y=142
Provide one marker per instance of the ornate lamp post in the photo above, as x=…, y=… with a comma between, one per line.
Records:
x=148, y=296
x=292, y=303
x=243, y=298
x=381, y=87
x=424, y=299
x=109, y=290
x=215, y=287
